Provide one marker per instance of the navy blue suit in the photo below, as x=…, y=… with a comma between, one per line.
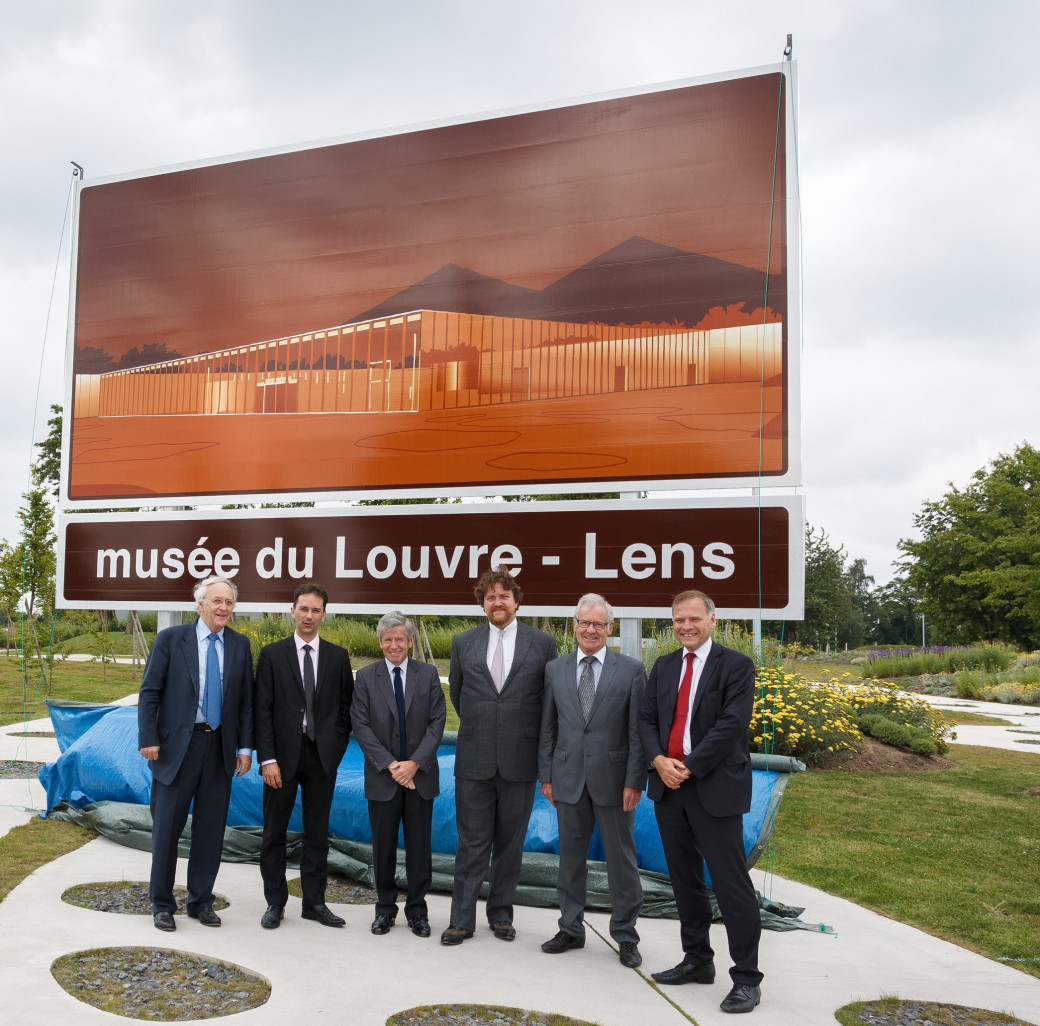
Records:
x=702, y=821
x=194, y=768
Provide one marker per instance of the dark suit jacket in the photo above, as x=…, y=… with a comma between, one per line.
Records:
x=604, y=754
x=169, y=698
x=374, y=716
x=498, y=733
x=279, y=705
x=718, y=758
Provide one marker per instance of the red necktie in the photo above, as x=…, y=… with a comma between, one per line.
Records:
x=677, y=734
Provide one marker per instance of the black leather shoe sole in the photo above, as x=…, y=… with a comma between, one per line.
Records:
x=563, y=942
x=741, y=998
x=324, y=916
x=629, y=957
x=455, y=935
x=686, y=973
x=206, y=916
x=272, y=918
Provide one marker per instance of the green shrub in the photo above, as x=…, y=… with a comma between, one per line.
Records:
x=915, y=663
x=1013, y=693
x=883, y=698
x=1020, y=685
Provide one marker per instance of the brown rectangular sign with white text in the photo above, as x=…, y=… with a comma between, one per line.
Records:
x=746, y=554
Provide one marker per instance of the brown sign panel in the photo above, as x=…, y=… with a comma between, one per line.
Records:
x=746, y=555
x=595, y=293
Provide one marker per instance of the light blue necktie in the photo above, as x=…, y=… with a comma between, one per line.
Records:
x=211, y=699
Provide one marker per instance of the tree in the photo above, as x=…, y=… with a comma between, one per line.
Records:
x=976, y=565
x=898, y=620
x=840, y=604
x=47, y=468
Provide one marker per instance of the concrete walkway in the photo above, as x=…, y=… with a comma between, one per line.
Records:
x=349, y=976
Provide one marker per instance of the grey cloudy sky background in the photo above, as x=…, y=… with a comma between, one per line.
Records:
x=918, y=147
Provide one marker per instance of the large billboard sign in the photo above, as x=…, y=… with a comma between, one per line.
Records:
x=595, y=296
x=745, y=553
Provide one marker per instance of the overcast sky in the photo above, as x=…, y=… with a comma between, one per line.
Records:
x=918, y=149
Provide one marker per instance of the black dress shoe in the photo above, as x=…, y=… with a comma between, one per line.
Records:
x=687, y=972
x=455, y=935
x=323, y=914
x=164, y=921
x=382, y=923
x=420, y=926
x=742, y=998
x=503, y=930
x=562, y=942
x=205, y=915
x=629, y=955
x=272, y=918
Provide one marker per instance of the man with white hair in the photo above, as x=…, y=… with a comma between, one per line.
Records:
x=195, y=728
x=591, y=765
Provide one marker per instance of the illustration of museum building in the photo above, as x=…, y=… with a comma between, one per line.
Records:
x=432, y=360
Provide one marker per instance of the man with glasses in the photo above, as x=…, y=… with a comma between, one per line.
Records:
x=195, y=728
x=591, y=765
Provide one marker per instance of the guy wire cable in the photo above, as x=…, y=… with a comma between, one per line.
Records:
x=769, y=745
x=28, y=705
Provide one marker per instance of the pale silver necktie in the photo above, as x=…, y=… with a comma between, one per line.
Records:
x=497, y=663
x=587, y=687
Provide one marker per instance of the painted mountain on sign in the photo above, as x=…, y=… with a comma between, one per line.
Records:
x=637, y=281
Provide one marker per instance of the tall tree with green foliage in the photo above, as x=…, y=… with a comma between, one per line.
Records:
x=47, y=468
x=839, y=598
x=976, y=565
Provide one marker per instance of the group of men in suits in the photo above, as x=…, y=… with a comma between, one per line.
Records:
x=588, y=725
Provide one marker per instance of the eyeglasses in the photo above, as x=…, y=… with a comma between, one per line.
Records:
x=592, y=625
x=230, y=603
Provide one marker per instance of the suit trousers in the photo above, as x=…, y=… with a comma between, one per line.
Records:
x=491, y=816
x=576, y=823
x=317, y=789
x=691, y=836
x=202, y=780
x=415, y=813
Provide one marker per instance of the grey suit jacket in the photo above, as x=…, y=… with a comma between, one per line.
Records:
x=604, y=754
x=169, y=698
x=376, y=728
x=279, y=705
x=498, y=732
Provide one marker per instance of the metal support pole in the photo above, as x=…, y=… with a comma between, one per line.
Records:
x=632, y=637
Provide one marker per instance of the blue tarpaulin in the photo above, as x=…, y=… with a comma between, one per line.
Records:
x=100, y=762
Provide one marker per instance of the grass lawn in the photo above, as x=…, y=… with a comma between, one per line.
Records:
x=82, y=682
x=955, y=853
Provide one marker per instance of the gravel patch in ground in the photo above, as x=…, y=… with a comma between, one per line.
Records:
x=18, y=769
x=339, y=890
x=159, y=985
x=129, y=897
x=926, y=1013
x=478, y=1015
